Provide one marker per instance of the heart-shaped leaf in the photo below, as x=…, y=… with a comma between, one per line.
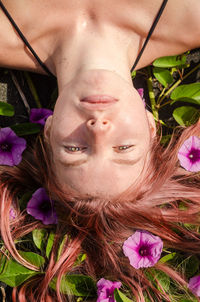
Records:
x=163, y=76
x=77, y=285
x=170, y=61
x=6, y=109
x=26, y=128
x=189, y=93
x=186, y=115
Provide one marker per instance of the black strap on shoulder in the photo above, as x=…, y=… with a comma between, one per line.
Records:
x=157, y=18
x=45, y=68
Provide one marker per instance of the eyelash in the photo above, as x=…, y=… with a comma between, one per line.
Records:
x=74, y=149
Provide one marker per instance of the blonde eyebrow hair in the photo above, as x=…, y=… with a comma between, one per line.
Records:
x=74, y=163
x=126, y=161
x=118, y=161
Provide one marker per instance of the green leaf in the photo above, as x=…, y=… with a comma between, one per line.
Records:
x=120, y=297
x=80, y=259
x=14, y=274
x=191, y=266
x=60, y=248
x=77, y=285
x=133, y=74
x=50, y=243
x=39, y=237
x=33, y=258
x=6, y=109
x=163, y=76
x=189, y=93
x=26, y=128
x=183, y=299
x=165, y=139
x=159, y=279
x=167, y=258
x=24, y=200
x=163, y=280
x=186, y=115
x=170, y=61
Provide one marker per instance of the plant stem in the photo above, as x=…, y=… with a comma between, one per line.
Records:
x=151, y=95
x=32, y=89
x=158, y=101
x=14, y=79
x=177, y=83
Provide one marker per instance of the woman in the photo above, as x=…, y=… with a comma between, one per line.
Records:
x=100, y=160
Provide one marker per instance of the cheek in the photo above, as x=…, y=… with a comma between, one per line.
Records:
x=134, y=127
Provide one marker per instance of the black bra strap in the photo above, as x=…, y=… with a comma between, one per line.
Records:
x=150, y=33
x=45, y=68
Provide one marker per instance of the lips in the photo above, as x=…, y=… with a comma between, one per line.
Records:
x=98, y=102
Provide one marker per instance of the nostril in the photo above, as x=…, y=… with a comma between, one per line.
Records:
x=105, y=122
x=91, y=122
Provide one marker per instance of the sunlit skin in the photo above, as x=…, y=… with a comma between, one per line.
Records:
x=90, y=46
x=99, y=152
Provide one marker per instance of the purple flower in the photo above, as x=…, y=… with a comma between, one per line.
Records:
x=141, y=93
x=40, y=115
x=11, y=147
x=194, y=285
x=143, y=249
x=189, y=154
x=105, y=290
x=41, y=207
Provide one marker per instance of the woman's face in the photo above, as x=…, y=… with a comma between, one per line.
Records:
x=99, y=134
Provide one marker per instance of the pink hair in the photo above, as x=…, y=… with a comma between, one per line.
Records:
x=99, y=227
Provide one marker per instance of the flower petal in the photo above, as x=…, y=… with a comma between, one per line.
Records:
x=143, y=249
x=105, y=290
x=11, y=147
x=39, y=115
x=189, y=154
x=194, y=285
x=41, y=207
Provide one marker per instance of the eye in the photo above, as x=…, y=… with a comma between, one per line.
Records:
x=73, y=149
x=123, y=148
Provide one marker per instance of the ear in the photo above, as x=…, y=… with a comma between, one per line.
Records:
x=47, y=128
x=152, y=124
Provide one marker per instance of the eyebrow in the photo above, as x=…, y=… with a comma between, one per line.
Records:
x=126, y=161
x=118, y=161
x=74, y=163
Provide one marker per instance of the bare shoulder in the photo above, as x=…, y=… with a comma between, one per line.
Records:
x=29, y=16
x=184, y=15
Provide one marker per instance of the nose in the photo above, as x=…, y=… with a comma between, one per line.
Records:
x=99, y=125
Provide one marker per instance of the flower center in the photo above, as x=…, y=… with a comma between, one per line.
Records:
x=5, y=147
x=45, y=206
x=194, y=155
x=144, y=251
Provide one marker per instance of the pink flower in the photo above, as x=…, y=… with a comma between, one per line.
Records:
x=189, y=154
x=194, y=285
x=141, y=93
x=105, y=290
x=143, y=249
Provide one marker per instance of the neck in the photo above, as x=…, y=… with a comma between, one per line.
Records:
x=92, y=48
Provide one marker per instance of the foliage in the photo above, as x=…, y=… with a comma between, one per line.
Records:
x=167, y=91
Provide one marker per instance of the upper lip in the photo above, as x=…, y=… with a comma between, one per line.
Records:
x=95, y=102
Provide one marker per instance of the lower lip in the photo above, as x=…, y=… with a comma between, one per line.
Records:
x=99, y=99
